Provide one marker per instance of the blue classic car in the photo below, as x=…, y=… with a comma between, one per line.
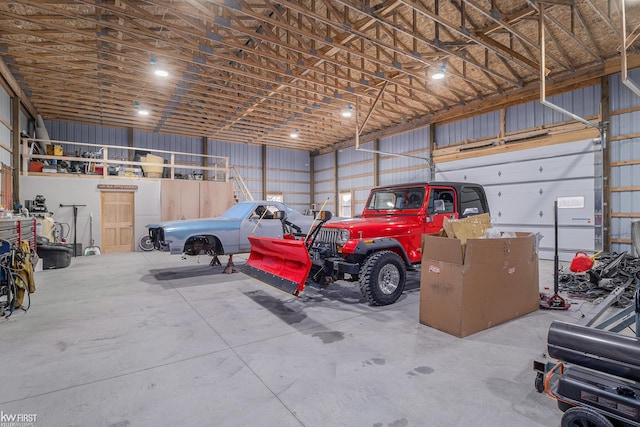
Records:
x=227, y=234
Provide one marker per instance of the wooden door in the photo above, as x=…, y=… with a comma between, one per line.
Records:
x=117, y=221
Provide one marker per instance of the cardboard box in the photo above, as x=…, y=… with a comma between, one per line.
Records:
x=466, y=291
x=471, y=227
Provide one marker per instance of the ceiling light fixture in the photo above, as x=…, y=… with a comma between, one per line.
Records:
x=439, y=75
x=295, y=134
x=348, y=112
x=160, y=72
x=143, y=112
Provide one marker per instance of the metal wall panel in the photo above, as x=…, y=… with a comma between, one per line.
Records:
x=245, y=159
x=91, y=135
x=176, y=143
x=621, y=96
x=5, y=105
x=398, y=170
x=522, y=186
x=625, y=156
x=27, y=126
x=324, y=179
x=355, y=175
x=288, y=173
x=482, y=126
x=583, y=102
x=5, y=132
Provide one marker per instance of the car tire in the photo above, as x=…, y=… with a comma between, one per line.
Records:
x=382, y=278
x=145, y=243
x=584, y=417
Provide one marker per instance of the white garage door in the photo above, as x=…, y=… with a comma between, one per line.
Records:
x=522, y=186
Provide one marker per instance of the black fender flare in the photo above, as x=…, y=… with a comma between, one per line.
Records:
x=365, y=247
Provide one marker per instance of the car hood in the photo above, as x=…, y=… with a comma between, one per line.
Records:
x=198, y=224
x=376, y=226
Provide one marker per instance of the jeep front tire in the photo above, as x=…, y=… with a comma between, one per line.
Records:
x=382, y=278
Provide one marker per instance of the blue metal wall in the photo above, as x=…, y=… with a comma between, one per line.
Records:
x=625, y=161
x=355, y=174
x=246, y=160
x=91, y=135
x=482, y=126
x=583, y=102
x=397, y=170
x=5, y=132
x=324, y=179
x=288, y=173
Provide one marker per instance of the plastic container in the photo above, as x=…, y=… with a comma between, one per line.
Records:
x=581, y=262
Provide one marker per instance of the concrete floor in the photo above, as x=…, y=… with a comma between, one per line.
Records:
x=148, y=339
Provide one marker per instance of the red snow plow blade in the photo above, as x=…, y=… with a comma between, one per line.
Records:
x=281, y=263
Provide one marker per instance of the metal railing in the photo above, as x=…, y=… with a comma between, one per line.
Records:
x=239, y=182
x=113, y=160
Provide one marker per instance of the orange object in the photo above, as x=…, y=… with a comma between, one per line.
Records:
x=35, y=166
x=581, y=262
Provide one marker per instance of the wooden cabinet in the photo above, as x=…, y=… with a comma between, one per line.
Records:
x=190, y=199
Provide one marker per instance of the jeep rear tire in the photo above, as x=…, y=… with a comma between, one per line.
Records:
x=382, y=278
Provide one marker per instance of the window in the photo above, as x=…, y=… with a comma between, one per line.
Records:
x=398, y=198
x=471, y=201
x=345, y=204
x=264, y=212
x=441, y=201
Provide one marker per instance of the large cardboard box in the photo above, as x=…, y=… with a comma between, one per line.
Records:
x=465, y=289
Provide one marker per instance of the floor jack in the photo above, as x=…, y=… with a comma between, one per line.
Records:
x=555, y=301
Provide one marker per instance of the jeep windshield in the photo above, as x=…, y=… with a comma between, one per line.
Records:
x=396, y=199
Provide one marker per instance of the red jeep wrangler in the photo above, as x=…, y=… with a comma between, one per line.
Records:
x=377, y=248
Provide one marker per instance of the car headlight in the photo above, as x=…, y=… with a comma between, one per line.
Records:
x=343, y=237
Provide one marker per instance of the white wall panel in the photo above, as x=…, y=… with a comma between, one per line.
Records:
x=85, y=192
x=522, y=186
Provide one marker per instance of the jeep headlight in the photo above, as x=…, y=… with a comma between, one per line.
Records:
x=343, y=237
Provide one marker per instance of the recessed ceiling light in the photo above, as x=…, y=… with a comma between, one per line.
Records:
x=143, y=112
x=348, y=112
x=161, y=73
x=294, y=134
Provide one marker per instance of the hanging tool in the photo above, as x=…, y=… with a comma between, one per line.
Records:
x=91, y=249
x=555, y=301
x=75, y=224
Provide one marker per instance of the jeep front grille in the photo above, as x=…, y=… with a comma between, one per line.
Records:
x=327, y=237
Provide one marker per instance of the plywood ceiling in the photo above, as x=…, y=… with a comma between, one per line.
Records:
x=256, y=71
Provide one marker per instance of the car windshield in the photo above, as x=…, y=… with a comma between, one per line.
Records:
x=397, y=198
x=240, y=210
